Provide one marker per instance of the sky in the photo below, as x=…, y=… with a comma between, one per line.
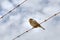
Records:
x=17, y=21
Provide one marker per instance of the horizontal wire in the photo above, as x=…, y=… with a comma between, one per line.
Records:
x=22, y=34
x=13, y=9
x=31, y=28
x=40, y=23
x=50, y=17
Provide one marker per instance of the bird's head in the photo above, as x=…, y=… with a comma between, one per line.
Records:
x=30, y=19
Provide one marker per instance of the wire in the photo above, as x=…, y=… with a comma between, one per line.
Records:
x=31, y=28
x=50, y=17
x=22, y=33
x=13, y=9
x=40, y=23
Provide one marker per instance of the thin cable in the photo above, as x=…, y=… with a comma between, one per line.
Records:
x=22, y=34
x=31, y=28
x=50, y=17
x=13, y=9
x=40, y=23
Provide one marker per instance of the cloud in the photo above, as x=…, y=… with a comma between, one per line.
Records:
x=19, y=22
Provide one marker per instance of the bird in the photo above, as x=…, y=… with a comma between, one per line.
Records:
x=35, y=24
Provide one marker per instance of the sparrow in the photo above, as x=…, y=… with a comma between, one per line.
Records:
x=35, y=24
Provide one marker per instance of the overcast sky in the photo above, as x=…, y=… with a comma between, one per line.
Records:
x=17, y=21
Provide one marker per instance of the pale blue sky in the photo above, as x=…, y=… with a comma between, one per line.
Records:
x=17, y=21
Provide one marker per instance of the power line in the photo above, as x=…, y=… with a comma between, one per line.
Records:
x=31, y=28
x=50, y=17
x=13, y=9
x=22, y=34
x=40, y=23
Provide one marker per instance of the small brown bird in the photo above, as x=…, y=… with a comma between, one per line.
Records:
x=35, y=24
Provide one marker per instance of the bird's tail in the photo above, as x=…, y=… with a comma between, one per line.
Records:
x=42, y=28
